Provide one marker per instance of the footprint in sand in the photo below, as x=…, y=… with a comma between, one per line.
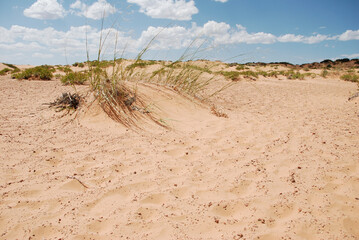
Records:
x=111, y=201
x=230, y=209
x=351, y=226
x=100, y=227
x=157, y=199
x=281, y=210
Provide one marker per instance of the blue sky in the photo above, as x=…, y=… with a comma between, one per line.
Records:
x=298, y=31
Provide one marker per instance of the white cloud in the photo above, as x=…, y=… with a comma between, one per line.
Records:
x=20, y=46
x=222, y=33
x=41, y=43
x=243, y=36
x=45, y=9
x=300, y=38
x=354, y=55
x=167, y=9
x=96, y=11
x=5, y=35
x=315, y=39
x=222, y=1
x=349, y=35
x=291, y=38
x=166, y=38
x=42, y=55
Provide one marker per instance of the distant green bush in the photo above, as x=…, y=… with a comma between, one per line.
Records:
x=43, y=72
x=324, y=73
x=14, y=68
x=240, y=67
x=351, y=77
x=140, y=64
x=65, y=69
x=198, y=68
x=100, y=64
x=233, y=75
x=74, y=78
x=250, y=74
x=5, y=71
x=77, y=64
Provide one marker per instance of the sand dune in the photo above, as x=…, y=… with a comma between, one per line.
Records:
x=283, y=165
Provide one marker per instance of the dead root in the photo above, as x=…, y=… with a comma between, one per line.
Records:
x=66, y=101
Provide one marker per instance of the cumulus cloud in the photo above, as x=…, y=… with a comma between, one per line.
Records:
x=20, y=46
x=96, y=11
x=291, y=38
x=41, y=43
x=45, y=9
x=354, y=55
x=300, y=38
x=167, y=9
x=42, y=55
x=6, y=35
x=349, y=35
x=171, y=37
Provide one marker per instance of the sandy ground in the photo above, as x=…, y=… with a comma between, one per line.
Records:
x=284, y=165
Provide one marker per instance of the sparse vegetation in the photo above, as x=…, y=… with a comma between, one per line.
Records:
x=233, y=75
x=65, y=69
x=140, y=64
x=5, y=71
x=72, y=78
x=43, y=72
x=240, y=67
x=76, y=64
x=324, y=73
x=351, y=77
x=13, y=67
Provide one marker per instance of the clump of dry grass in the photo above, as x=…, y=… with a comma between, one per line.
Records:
x=114, y=86
x=114, y=83
x=67, y=101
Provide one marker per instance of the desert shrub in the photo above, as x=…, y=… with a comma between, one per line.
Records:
x=291, y=74
x=324, y=73
x=351, y=77
x=100, y=64
x=77, y=64
x=249, y=74
x=240, y=67
x=140, y=64
x=43, y=72
x=74, y=78
x=10, y=65
x=272, y=74
x=233, y=75
x=232, y=64
x=5, y=71
x=198, y=68
x=65, y=69
x=14, y=68
x=58, y=76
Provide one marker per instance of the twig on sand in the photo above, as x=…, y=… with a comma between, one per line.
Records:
x=73, y=177
x=354, y=96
